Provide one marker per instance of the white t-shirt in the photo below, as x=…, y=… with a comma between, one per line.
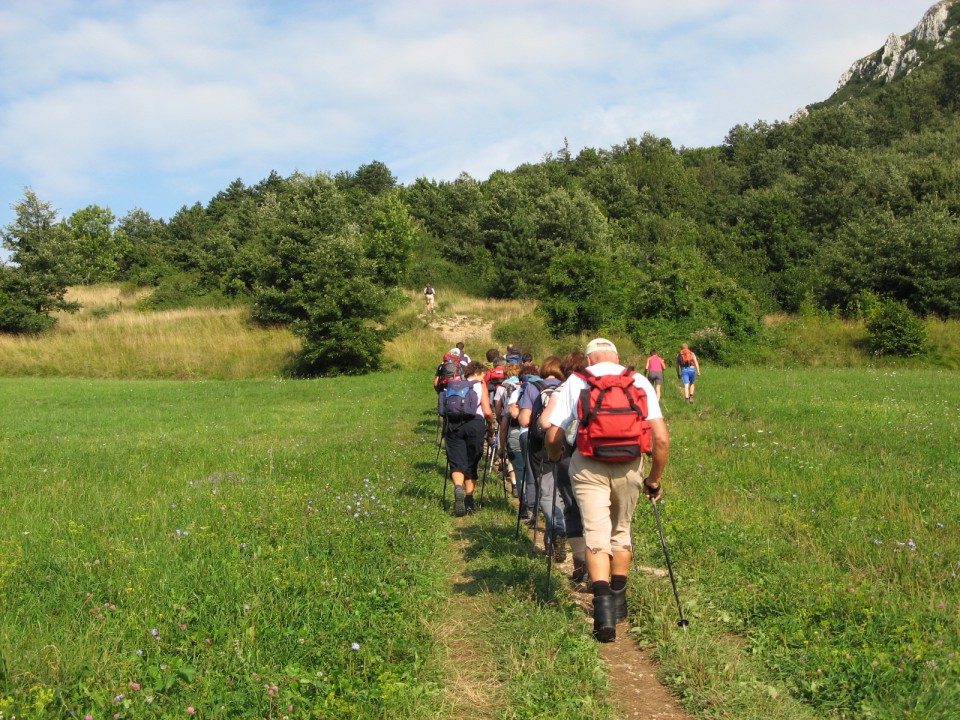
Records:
x=568, y=395
x=513, y=400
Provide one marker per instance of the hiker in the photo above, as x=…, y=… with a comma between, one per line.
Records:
x=428, y=296
x=451, y=368
x=501, y=395
x=655, y=368
x=530, y=404
x=464, y=358
x=527, y=489
x=607, y=478
x=688, y=367
x=465, y=405
x=516, y=440
x=513, y=355
x=572, y=521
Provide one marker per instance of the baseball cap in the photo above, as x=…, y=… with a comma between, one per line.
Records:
x=598, y=344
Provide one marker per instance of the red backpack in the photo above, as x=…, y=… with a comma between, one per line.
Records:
x=613, y=418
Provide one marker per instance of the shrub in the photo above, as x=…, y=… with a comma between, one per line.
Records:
x=894, y=330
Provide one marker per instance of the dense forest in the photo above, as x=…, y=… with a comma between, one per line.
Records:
x=853, y=207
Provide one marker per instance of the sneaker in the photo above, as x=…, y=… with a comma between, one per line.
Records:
x=459, y=504
x=559, y=546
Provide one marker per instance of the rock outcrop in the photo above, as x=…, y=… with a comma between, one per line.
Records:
x=901, y=54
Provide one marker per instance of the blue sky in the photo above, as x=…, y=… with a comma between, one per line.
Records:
x=158, y=105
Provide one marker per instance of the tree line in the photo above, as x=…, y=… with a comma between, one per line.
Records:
x=851, y=208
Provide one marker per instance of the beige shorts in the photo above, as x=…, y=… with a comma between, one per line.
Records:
x=607, y=494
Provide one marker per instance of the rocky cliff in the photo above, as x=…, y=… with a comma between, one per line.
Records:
x=903, y=53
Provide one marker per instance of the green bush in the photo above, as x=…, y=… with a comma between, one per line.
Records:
x=16, y=317
x=528, y=333
x=182, y=290
x=894, y=330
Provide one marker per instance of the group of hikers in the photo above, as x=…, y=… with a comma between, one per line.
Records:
x=577, y=439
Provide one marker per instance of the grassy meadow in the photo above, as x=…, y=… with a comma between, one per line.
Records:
x=233, y=544
x=814, y=518
x=257, y=549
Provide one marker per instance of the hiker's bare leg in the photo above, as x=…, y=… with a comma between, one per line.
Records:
x=620, y=565
x=598, y=566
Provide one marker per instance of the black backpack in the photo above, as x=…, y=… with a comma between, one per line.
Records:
x=536, y=436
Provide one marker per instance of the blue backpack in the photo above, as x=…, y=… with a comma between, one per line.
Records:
x=457, y=402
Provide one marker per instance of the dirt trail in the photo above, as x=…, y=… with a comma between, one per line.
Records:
x=636, y=692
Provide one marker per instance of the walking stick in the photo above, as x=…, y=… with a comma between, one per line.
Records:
x=487, y=451
x=663, y=542
x=443, y=431
x=553, y=536
x=536, y=506
x=446, y=477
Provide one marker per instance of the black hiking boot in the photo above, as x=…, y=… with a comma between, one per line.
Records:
x=559, y=541
x=620, y=604
x=604, y=618
x=579, y=573
x=459, y=501
x=468, y=504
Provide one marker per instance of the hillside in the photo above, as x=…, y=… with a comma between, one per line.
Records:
x=110, y=338
x=851, y=210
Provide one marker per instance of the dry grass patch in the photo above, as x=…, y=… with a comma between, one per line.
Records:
x=184, y=344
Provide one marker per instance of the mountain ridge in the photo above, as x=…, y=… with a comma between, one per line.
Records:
x=901, y=54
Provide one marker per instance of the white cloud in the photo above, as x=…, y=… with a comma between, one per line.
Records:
x=160, y=104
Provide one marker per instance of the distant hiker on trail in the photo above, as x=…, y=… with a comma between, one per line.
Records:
x=655, y=368
x=428, y=296
x=616, y=428
x=688, y=367
x=465, y=407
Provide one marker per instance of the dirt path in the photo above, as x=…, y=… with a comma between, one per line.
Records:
x=636, y=692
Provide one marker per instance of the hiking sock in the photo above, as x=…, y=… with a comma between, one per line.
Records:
x=618, y=582
x=601, y=588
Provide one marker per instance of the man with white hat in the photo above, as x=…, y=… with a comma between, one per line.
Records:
x=607, y=489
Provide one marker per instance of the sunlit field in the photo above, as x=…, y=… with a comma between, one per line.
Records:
x=815, y=516
x=258, y=549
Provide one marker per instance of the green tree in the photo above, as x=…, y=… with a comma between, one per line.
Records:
x=312, y=269
x=98, y=249
x=35, y=287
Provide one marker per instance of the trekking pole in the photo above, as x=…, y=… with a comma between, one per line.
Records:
x=536, y=506
x=553, y=516
x=446, y=477
x=443, y=430
x=521, y=492
x=663, y=542
x=487, y=450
